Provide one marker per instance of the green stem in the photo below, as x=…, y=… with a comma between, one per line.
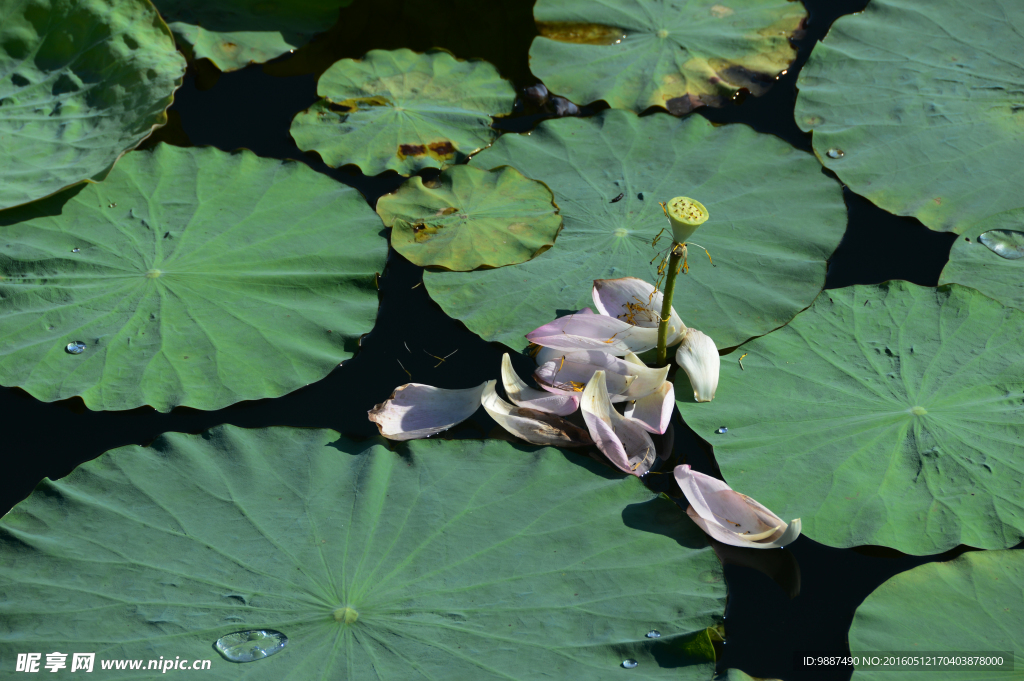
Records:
x=678, y=253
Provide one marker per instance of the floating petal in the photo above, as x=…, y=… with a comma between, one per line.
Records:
x=654, y=411
x=623, y=440
x=730, y=517
x=594, y=332
x=699, y=358
x=415, y=410
x=523, y=395
x=567, y=377
x=536, y=427
x=636, y=302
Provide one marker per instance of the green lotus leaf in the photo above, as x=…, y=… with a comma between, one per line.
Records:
x=235, y=33
x=401, y=110
x=737, y=675
x=445, y=560
x=887, y=415
x=968, y=605
x=917, y=105
x=989, y=256
x=470, y=218
x=769, y=258
x=636, y=54
x=188, y=277
x=80, y=84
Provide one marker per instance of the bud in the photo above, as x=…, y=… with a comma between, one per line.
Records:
x=685, y=215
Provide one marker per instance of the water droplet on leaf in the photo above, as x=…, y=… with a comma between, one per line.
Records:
x=247, y=646
x=75, y=250
x=835, y=152
x=1004, y=242
x=630, y=664
x=653, y=633
x=75, y=348
x=722, y=431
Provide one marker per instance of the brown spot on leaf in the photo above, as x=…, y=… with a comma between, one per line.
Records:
x=406, y=150
x=678, y=106
x=423, y=232
x=445, y=211
x=937, y=200
x=229, y=47
x=441, y=150
x=580, y=32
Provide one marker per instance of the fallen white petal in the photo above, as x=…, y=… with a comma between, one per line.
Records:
x=623, y=440
x=654, y=411
x=523, y=395
x=731, y=517
x=699, y=358
x=636, y=302
x=536, y=427
x=415, y=410
x=594, y=332
x=567, y=377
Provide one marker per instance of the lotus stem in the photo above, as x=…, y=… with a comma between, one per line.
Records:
x=675, y=261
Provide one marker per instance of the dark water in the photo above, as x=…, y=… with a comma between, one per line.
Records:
x=253, y=108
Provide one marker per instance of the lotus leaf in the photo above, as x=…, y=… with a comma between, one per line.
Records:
x=636, y=54
x=608, y=174
x=188, y=277
x=887, y=415
x=454, y=560
x=235, y=33
x=401, y=110
x=989, y=256
x=80, y=84
x=469, y=218
x=917, y=105
x=969, y=605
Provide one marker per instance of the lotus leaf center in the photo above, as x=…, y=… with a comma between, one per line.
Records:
x=621, y=231
x=918, y=411
x=662, y=33
x=347, y=615
x=153, y=274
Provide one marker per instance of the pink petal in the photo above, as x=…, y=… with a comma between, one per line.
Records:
x=654, y=411
x=636, y=302
x=594, y=332
x=622, y=440
x=730, y=517
x=571, y=377
x=536, y=427
x=530, y=398
x=415, y=410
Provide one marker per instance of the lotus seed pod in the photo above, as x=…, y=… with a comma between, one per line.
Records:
x=686, y=215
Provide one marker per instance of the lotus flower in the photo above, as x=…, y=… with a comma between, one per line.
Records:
x=699, y=358
x=628, y=378
x=730, y=517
